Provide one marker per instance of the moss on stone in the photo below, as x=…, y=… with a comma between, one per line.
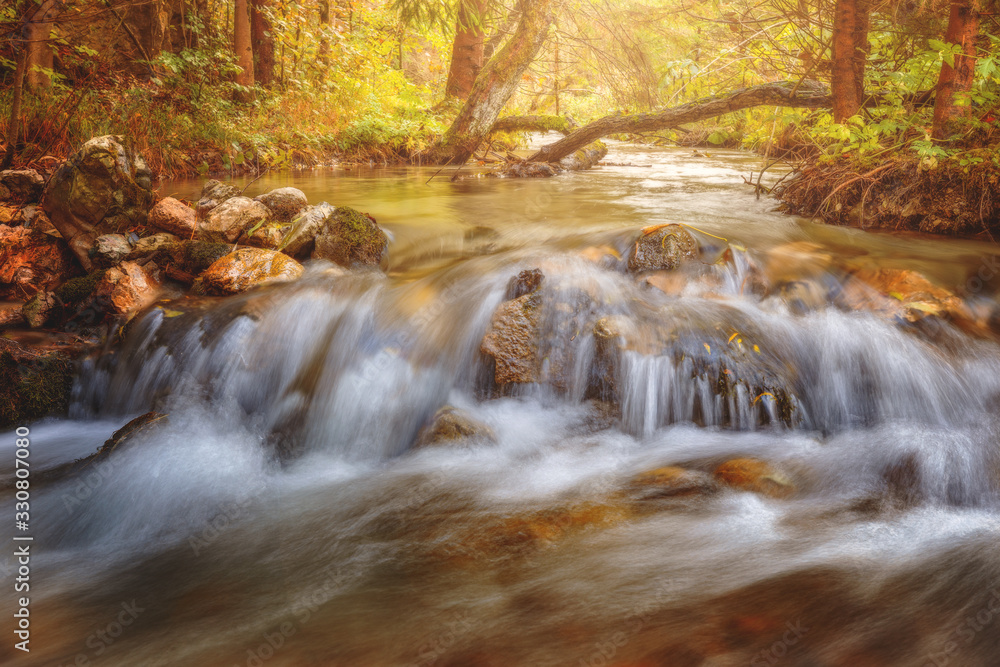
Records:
x=33, y=388
x=202, y=254
x=77, y=289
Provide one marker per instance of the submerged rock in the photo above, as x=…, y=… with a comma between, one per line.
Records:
x=662, y=247
x=229, y=220
x=214, y=193
x=755, y=475
x=21, y=186
x=33, y=384
x=31, y=261
x=174, y=216
x=103, y=188
x=917, y=296
x=670, y=482
x=284, y=203
x=247, y=267
x=128, y=287
x=451, y=425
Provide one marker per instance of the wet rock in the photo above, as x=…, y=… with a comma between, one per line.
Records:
x=9, y=215
x=284, y=203
x=796, y=260
x=512, y=340
x=150, y=245
x=301, y=238
x=21, y=185
x=229, y=220
x=128, y=287
x=749, y=474
x=349, y=237
x=662, y=247
x=269, y=235
x=40, y=309
x=523, y=283
x=668, y=282
x=109, y=250
x=214, y=193
x=452, y=425
x=918, y=296
x=33, y=384
x=104, y=188
x=247, y=267
x=30, y=261
x=670, y=482
x=185, y=260
x=174, y=216
x=605, y=255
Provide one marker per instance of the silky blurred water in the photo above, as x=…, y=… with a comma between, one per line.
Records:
x=283, y=517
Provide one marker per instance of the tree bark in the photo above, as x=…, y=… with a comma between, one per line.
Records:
x=963, y=29
x=241, y=46
x=37, y=33
x=467, y=49
x=323, y=51
x=559, y=124
x=495, y=84
x=843, y=83
x=262, y=38
x=771, y=94
x=862, y=47
x=15, y=109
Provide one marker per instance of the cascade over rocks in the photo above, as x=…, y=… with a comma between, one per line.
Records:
x=103, y=188
x=245, y=268
x=30, y=261
x=512, y=339
x=230, y=219
x=174, y=216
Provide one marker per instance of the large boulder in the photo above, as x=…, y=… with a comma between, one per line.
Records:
x=128, y=287
x=662, y=247
x=173, y=216
x=230, y=219
x=21, y=185
x=512, y=340
x=31, y=261
x=284, y=203
x=245, y=268
x=215, y=193
x=33, y=384
x=342, y=235
x=104, y=188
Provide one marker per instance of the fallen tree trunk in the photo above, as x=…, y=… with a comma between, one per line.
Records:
x=810, y=96
x=560, y=124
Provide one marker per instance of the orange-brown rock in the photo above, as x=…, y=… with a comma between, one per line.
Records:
x=245, y=268
x=173, y=216
x=30, y=261
x=918, y=296
x=662, y=247
x=451, y=425
x=672, y=481
x=796, y=260
x=512, y=340
x=128, y=287
x=754, y=475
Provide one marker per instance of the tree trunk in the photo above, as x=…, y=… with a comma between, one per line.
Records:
x=15, y=108
x=262, y=38
x=322, y=53
x=37, y=33
x=467, y=49
x=242, y=48
x=495, y=84
x=771, y=94
x=843, y=83
x=862, y=48
x=963, y=29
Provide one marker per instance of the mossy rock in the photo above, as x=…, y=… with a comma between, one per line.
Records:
x=350, y=237
x=32, y=384
x=78, y=289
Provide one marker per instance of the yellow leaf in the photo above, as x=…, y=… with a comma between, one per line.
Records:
x=708, y=347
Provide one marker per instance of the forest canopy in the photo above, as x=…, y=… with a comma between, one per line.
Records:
x=213, y=85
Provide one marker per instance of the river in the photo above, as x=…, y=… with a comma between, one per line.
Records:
x=283, y=516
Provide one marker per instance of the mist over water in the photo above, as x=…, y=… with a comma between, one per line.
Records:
x=283, y=516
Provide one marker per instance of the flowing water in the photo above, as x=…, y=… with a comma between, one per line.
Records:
x=283, y=516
